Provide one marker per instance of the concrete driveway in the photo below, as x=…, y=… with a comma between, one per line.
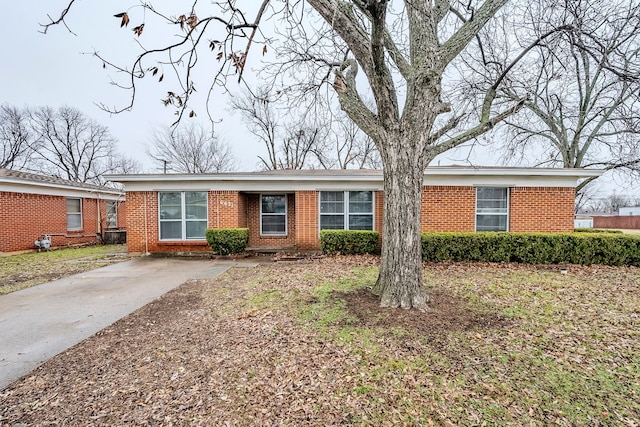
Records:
x=39, y=322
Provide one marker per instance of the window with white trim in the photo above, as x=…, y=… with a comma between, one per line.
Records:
x=112, y=213
x=492, y=209
x=183, y=215
x=273, y=214
x=346, y=210
x=74, y=214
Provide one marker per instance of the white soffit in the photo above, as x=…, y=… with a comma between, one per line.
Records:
x=57, y=190
x=352, y=179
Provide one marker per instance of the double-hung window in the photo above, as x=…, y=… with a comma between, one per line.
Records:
x=273, y=214
x=74, y=214
x=183, y=215
x=346, y=210
x=492, y=209
x=112, y=213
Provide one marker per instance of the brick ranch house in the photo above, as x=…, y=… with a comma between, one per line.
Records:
x=287, y=209
x=69, y=212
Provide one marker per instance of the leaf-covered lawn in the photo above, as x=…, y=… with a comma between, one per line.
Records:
x=305, y=344
x=25, y=270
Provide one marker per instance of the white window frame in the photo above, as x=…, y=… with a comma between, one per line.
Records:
x=114, y=203
x=285, y=214
x=346, y=213
x=78, y=214
x=183, y=220
x=505, y=214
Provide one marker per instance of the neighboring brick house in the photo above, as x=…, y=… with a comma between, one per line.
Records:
x=70, y=212
x=287, y=209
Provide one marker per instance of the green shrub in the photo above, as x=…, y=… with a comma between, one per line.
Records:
x=349, y=242
x=597, y=230
x=226, y=241
x=533, y=248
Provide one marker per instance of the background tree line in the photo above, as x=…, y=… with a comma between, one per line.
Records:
x=62, y=143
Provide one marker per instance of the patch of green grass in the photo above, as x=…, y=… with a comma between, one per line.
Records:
x=25, y=270
x=324, y=308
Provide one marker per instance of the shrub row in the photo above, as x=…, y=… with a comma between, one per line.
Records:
x=533, y=248
x=349, y=242
x=597, y=230
x=226, y=241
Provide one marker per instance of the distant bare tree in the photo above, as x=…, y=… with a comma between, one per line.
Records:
x=71, y=146
x=299, y=139
x=191, y=148
x=584, y=110
x=610, y=204
x=15, y=137
x=292, y=142
x=353, y=149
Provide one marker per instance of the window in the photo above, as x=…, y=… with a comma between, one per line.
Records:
x=273, y=214
x=346, y=210
x=183, y=215
x=492, y=209
x=112, y=213
x=74, y=214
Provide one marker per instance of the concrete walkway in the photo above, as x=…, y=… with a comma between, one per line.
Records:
x=39, y=322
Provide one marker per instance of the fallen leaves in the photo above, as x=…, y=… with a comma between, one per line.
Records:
x=236, y=351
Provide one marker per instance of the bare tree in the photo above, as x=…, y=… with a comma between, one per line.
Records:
x=15, y=137
x=404, y=52
x=352, y=149
x=291, y=140
x=74, y=147
x=191, y=148
x=584, y=109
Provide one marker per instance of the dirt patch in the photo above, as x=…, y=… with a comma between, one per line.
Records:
x=447, y=313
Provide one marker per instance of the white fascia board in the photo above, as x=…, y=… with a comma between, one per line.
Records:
x=443, y=176
x=58, y=190
x=253, y=186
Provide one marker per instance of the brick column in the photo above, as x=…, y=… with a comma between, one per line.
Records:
x=307, y=229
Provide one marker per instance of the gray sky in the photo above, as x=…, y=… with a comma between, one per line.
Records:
x=58, y=69
x=52, y=70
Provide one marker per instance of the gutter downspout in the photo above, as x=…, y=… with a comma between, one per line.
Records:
x=146, y=230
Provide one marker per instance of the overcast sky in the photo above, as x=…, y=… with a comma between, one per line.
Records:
x=58, y=69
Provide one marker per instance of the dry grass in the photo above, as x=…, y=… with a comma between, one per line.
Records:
x=30, y=269
x=297, y=344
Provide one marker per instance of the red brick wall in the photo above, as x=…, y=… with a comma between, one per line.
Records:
x=444, y=208
x=25, y=217
x=136, y=221
x=547, y=209
x=307, y=227
x=448, y=208
x=227, y=209
x=255, y=239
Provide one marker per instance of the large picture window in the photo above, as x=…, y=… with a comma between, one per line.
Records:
x=183, y=215
x=74, y=214
x=346, y=210
x=273, y=214
x=492, y=209
x=112, y=213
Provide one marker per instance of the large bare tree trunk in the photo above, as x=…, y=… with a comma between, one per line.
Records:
x=400, y=279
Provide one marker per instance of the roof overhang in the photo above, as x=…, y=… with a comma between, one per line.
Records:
x=352, y=179
x=17, y=185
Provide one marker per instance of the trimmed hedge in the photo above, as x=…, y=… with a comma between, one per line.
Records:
x=597, y=230
x=349, y=242
x=226, y=241
x=533, y=248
